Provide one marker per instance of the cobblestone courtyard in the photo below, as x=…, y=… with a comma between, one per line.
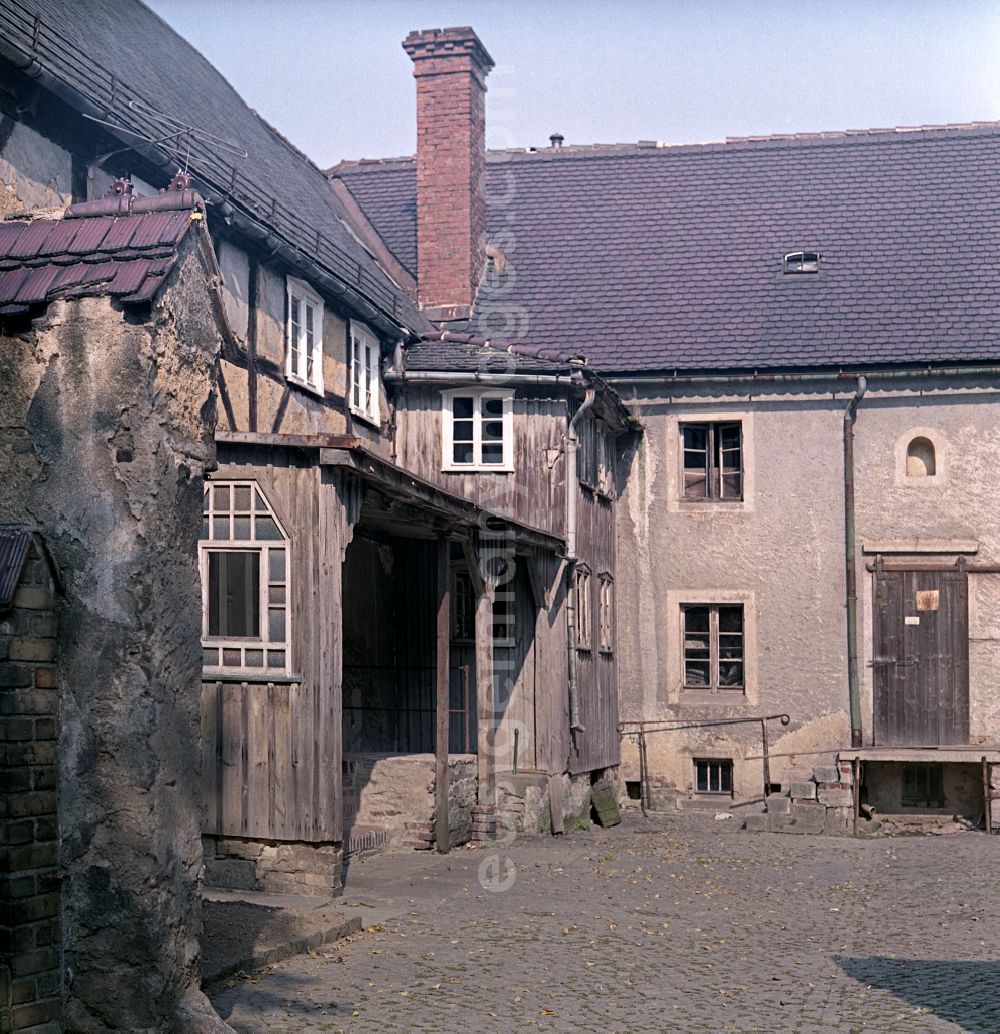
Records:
x=665, y=925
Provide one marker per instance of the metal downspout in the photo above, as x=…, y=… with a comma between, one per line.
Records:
x=850, y=564
x=572, y=445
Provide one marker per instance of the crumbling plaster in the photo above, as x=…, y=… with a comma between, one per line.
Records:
x=787, y=551
x=108, y=424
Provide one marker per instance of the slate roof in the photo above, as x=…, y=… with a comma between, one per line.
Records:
x=115, y=52
x=127, y=256
x=650, y=258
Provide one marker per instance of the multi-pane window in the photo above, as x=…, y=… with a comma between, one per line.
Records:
x=714, y=648
x=243, y=554
x=713, y=775
x=463, y=607
x=583, y=608
x=477, y=430
x=364, y=373
x=304, y=337
x=605, y=612
x=712, y=460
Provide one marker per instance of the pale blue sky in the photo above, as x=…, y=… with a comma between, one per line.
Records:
x=331, y=75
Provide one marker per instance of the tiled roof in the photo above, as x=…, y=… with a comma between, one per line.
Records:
x=14, y=547
x=127, y=256
x=643, y=257
x=126, y=62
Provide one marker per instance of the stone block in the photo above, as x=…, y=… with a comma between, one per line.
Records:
x=28, y=597
x=15, y=675
x=804, y=791
x=836, y=798
x=846, y=772
x=756, y=824
x=803, y=818
x=838, y=822
x=826, y=774
x=778, y=804
x=233, y=873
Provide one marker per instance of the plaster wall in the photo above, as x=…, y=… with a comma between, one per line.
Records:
x=106, y=433
x=35, y=172
x=780, y=552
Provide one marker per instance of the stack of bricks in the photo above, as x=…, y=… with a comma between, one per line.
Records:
x=484, y=823
x=822, y=804
x=29, y=845
x=274, y=867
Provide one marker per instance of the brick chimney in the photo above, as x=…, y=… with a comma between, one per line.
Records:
x=450, y=66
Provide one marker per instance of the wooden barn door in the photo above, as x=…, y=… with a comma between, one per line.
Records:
x=921, y=658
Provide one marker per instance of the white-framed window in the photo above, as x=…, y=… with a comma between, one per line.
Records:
x=243, y=556
x=714, y=646
x=582, y=608
x=477, y=430
x=304, y=337
x=605, y=612
x=364, y=373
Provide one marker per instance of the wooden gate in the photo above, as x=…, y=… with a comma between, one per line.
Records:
x=921, y=658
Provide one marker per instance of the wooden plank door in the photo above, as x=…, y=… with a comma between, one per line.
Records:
x=921, y=658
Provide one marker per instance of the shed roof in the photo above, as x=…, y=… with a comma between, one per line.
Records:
x=650, y=258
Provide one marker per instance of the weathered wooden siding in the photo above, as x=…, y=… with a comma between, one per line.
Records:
x=514, y=674
x=598, y=745
x=552, y=742
x=532, y=495
x=286, y=740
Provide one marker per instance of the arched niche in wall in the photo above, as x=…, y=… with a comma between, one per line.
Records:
x=920, y=457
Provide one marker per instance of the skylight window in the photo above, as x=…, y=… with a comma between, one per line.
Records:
x=800, y=262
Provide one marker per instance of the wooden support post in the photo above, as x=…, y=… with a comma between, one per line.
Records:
x=856, y=771
x=441, y=835
x=987, y=798
x=487, y=763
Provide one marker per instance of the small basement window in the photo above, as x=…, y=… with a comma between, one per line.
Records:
x=800, y=262
x=713, y=775
x=923, y=786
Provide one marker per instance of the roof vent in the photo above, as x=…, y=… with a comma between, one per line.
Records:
x=800, y=262
x=556, y=140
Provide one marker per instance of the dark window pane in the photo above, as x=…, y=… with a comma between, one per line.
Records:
x=492, y=407
x=241, y=528
x=493, y=455
x=730, y=619
x=461, y=431
x=493, y=431
x=241, y=497
x=732, y=486
x=276, y=565
x=461, y=407
x=696, y=673
x=234, y=594
x=695, y=437
x=221, y=528
x=222, y=497
x=696, y=619
x=267, y=529
x=259, y=503
x=275, y=658
x=204, y=528
x=731, y=674
x=276, y=625
x=462, y=452
x=702, y=782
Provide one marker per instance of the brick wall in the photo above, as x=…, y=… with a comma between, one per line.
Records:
x=30, y=988
x=450, y=67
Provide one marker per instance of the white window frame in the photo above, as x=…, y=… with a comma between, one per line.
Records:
x=297, y=357
x=583, y=612
x=262, y=643
x=447, y=441
x=606, y=612
x=365, y=374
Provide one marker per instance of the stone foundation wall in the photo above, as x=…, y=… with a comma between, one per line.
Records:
x=30, y=937
x=272, y=867
x=396, y=793
x=823, y=803
x=523, y=799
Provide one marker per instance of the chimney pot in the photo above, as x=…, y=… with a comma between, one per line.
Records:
x=556, y=140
